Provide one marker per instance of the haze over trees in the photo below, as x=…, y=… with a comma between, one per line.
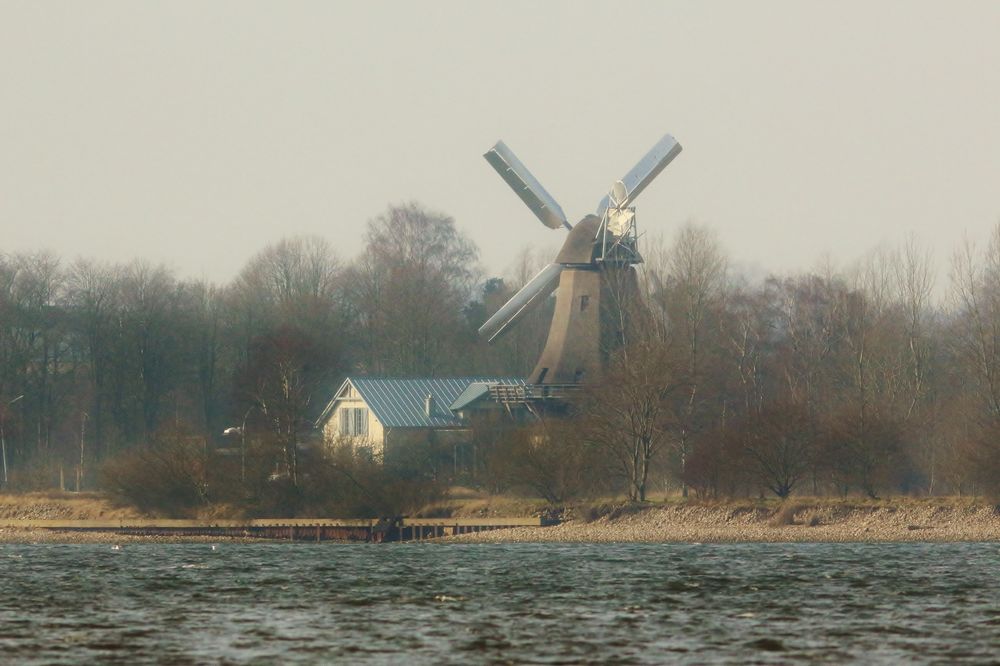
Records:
x=827, y=382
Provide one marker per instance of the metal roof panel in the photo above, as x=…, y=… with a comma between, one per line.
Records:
x=399, y=403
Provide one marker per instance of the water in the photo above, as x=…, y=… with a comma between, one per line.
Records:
x=518, y=603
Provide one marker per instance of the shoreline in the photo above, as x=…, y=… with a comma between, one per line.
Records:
x=808, y=520
x=820, y=522
x=33, y=536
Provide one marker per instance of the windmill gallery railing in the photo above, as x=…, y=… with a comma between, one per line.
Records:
x=510, y=394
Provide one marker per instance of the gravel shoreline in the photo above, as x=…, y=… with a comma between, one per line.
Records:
x=820, y=521
x=808, y=523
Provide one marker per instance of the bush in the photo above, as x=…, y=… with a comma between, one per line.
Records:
x=339, y=483
x=551, y=461
x=166, y=477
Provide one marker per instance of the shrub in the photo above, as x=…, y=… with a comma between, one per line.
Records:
x=785, y=515
x=167, y=476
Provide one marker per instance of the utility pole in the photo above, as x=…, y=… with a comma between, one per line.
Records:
x=83, y=435
x=242, y=431
x=3, y=440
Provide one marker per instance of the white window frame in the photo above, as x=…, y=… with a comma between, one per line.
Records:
x=360, y=421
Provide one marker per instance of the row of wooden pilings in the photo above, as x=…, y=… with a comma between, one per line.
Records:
x=291, y=529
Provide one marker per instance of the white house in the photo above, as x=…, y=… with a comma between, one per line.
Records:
x=374, y=413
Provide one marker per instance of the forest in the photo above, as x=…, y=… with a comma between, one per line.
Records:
x=876, y=378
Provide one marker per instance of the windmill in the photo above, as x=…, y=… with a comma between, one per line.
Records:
x=595, y=261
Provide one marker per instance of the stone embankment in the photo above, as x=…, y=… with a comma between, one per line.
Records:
x=905, y=520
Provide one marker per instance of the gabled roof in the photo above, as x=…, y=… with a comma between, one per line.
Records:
x=399, y=403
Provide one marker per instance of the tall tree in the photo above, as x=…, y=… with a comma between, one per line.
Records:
x=408, y=291
x=689, y=288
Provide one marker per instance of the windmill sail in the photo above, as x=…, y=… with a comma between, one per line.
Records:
x=643, y=173
x=530, y=296
x=526, y=186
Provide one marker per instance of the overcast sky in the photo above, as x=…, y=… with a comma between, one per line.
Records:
x=196, y=133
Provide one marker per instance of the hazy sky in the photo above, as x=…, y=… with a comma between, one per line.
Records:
x=196, y=133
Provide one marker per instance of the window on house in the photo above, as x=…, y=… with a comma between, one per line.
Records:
x=354, y=421
x=584, y=302
x=360, y=421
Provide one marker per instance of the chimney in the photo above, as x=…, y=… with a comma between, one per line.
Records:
x=428, y=405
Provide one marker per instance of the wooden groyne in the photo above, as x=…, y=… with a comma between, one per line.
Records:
x=287, y=529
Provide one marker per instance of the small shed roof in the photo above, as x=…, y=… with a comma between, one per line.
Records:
x=400, y=403
x=475, y=391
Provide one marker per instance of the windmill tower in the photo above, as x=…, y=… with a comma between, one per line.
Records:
x=592, y=271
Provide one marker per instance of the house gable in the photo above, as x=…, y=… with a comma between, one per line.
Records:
x=348, y=418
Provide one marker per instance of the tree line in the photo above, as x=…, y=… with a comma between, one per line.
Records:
x=866, y=380
x=828, y=381
x=97, y=358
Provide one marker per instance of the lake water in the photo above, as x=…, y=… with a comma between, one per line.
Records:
x=517, y=603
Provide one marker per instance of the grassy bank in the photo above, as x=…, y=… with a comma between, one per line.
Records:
x=61, y=506
x=802, y=520
x=669, y=519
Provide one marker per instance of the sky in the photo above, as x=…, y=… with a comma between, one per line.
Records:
x=196, y=133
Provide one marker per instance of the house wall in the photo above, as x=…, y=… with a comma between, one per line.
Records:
x=419, y=442
x=376, y=433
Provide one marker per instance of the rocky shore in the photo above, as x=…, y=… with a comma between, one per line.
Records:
x=905, y=520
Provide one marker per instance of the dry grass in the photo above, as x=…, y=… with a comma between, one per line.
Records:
x=785, y=515
x=467, y=503
x=807, y=520
x=801, y=510
x=55, y=505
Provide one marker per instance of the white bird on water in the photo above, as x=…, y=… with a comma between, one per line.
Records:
x=116, y=547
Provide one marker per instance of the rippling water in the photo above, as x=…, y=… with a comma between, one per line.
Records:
x=541, y=603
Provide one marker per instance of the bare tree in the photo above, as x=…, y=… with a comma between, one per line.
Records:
x=206, y=313
x=780, y=441
x=632, y=414
x=914, y=277
x=284, y=373
x=976, y=283
x=409, y=289
x=150, y=300
x=687, y=289
x=747, y=336
x=32, y=343
x=91, y=294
